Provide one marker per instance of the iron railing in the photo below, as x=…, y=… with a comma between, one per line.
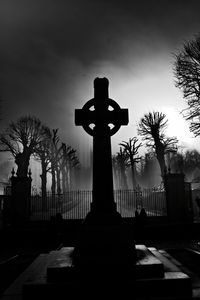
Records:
x=76, y=204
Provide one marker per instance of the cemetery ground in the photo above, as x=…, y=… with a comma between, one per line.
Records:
x=180, y=243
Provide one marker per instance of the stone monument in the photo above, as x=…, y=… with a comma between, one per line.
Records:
x=103, y=235
x=97, y=111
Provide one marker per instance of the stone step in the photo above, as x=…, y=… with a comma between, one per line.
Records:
x=35, y=282
x=147, y=265
x=174, y=285
x=167, y=263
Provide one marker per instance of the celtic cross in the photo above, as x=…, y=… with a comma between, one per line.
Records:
x=101, y=117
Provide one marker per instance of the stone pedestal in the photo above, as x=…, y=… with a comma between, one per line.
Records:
x=103, y=236
x=102, y=240
x=20, y=199
x=179, y=204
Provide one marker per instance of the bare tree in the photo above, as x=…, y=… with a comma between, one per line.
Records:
x=43, y=154
x=187, y=73
x=131, y=149
x=148, y=170
x=57, y=158
x=54, y=158
x=120, y=161
x=186, y=162
x=68, y=161
x=21, y=139
x=64, y=159
x=115, y=172
x=151, y=128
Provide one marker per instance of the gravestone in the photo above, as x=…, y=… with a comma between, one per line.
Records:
x=97, y=111
x=103, y=235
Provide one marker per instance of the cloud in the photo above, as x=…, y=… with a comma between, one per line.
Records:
x=50, y=50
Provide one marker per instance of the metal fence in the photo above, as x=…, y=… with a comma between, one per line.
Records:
x=76, y=204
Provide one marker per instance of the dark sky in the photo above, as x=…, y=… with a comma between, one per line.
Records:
x=52, y=50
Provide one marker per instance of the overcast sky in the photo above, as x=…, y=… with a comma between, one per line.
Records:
x=51, y=51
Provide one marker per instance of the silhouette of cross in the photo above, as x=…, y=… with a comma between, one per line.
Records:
x=96, y=111
x=102, y=117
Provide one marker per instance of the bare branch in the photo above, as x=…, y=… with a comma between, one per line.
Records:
x=187, y=74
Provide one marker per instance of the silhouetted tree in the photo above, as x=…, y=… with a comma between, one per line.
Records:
x=43, y=154
x=131, y=149
x=187, y=73
x=120, y=164
x=186, y=162
x=115, y=172
x=56, y=158
x=151, y=128
x=148, y=170
x=191, y=159
x=67, y=162
x=55, y=153
x=21, y=139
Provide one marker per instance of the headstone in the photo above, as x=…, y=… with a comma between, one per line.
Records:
x=103, y=235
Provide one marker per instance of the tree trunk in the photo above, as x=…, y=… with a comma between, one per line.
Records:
x=64, y=179
x=44, y=184
x=58, y=181
x=53, y=186
x=161, y=161
x=68, y=176
x=124, y=178
x=160, y=154
x=115, y=177
x=161, y=158
x=133, y=174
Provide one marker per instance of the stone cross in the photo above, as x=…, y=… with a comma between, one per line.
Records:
x=102, y=117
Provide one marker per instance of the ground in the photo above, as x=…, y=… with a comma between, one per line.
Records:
x=20, y=246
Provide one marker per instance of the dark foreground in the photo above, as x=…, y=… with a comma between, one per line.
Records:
x=21, y=246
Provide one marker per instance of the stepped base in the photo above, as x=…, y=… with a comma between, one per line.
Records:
x=146, y=266
x=172, y=286
x=102, y=239
x=54, y=275
x=58, y=276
